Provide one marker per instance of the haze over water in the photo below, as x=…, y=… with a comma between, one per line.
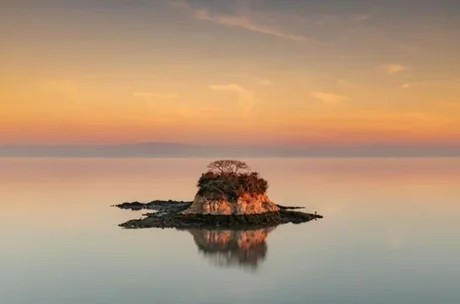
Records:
x=390, y=234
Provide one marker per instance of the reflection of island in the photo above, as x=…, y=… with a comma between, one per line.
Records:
x=229, y=248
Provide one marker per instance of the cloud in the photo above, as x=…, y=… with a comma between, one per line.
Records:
x=347, y=84
x=59, y=86
x=263, y=82
x=246, y=99
x=242, y=22
x=182, y=66
x=363, y=18
x=329, y=98
x=199, y=112
x=405, y=86
x=158, y=95
x=451, y=104
x=395, y=68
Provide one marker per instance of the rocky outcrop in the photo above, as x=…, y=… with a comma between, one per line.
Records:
x=158, y=205
x=229, y=195
x=173, y=206
x=245, y=204
x=249, y=211
x=240, y=221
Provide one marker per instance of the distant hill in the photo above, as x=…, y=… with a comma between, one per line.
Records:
x=161, y=149
x=123, y=150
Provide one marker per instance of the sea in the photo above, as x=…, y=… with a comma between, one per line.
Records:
x=390, y=234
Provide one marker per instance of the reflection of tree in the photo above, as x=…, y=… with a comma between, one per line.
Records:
x=228, y=248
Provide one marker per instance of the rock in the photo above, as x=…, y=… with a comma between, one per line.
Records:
x=182, y=221
x=245, y=204
x=158, y=205
x=229, y=195
x=289, y=207
x=132, y=206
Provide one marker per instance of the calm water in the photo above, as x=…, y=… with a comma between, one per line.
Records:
x=390, y=234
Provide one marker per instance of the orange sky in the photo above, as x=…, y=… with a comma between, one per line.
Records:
x=230, y=72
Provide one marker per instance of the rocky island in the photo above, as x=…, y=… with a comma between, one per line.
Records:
x=229, y=195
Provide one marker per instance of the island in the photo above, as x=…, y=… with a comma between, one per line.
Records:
x=229, y=195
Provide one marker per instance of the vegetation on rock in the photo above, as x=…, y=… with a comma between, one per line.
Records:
x=230, y=179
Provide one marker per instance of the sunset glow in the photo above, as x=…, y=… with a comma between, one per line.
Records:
x=230, y=72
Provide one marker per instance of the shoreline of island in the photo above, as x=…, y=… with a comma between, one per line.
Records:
x=168, y=214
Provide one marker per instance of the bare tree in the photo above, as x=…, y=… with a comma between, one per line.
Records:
x=228, y=166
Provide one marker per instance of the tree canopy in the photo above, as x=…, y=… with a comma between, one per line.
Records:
x=228, y=166
x=231, y=179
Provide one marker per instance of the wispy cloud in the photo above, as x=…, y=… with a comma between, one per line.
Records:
x=242, y=22
x=59, y=86
x=329, y=98
x=157, y=95
x=247, y=99
x=182, y=66
x=405, y=86
x=394, y=68
x=347, y=84
x=263, y=82
x=451, y=104
x=362, y=18
x=199, y=112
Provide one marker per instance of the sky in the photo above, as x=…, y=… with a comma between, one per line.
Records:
x=330, y=72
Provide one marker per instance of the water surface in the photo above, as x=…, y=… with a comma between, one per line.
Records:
x=390, y=234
